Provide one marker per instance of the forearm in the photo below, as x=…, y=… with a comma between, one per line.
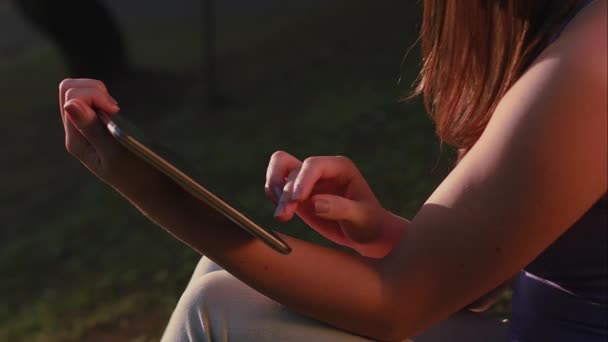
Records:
x=312, y=280
x=391, y=229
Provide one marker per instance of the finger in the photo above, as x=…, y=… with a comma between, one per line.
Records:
x=92, y=97
x=356, y=216
x=280, y=165
x=328, y=228
x=274, y=194
x=88, y=125
x=317, y=168
x=75, y=143
x=70, y=83
x=337, y=208
x=277, y=192
x=286, y=208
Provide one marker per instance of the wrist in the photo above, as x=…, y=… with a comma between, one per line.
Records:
x=141, y=184
x=391, y=228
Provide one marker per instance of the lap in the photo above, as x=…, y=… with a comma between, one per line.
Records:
x=216, y=306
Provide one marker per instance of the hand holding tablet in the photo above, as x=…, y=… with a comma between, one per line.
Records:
x=124, y=134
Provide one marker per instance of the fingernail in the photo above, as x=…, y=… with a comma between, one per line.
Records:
x=115, y=106
x=279, y=210
x=276, y=190
x=296, y=193
x=73, y=108
x=321, y=206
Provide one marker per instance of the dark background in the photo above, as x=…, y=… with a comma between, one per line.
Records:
x=309, y=77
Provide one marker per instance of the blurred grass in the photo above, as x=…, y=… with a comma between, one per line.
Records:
x=79, y=263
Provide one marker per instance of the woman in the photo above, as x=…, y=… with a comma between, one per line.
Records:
x=527, y=111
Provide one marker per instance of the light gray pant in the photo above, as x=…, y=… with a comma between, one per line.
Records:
x=218, y=307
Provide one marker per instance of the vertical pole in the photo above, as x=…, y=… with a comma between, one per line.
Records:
x=212, y=97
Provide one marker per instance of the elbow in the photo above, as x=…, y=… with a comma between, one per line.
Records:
x=390, y=326
x=389, y=332
x=393, y=316
x=396, y=320
x=393, y=331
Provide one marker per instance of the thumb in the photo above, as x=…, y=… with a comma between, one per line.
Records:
x=86, y=121
x=338, y=208
x=356, y=217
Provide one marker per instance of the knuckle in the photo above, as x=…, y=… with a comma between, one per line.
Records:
x=65, y=83
x=71, y=93
x=277, y=155
x=311, y=162
x=99, y=84
x=343, y=159
x=346, y=161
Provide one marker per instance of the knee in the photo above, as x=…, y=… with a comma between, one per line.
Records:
x=200, y=312
x=207, y=291
x=205, y=266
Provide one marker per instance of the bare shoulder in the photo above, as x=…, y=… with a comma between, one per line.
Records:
x=590, y=22
x=584, y=40
x=540, y=164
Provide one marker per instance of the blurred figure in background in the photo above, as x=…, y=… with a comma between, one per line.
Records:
x=97, y=49
x=86, y=34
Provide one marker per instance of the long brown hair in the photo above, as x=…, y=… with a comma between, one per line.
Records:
x=472, y=53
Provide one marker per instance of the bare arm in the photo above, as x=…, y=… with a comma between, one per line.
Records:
x=540, y=164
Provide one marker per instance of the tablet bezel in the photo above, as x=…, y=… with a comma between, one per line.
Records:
x=193, y=187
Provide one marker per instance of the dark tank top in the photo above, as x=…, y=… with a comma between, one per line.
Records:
x=562, y=294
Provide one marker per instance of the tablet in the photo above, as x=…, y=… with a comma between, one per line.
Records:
x=129, y=137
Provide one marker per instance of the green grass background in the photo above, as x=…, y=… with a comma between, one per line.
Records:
x=79, y=263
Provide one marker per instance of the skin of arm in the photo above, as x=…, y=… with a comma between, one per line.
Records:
x=539, y=165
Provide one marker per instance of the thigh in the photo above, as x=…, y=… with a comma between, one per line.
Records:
x=216, y=306
x=232, y=311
